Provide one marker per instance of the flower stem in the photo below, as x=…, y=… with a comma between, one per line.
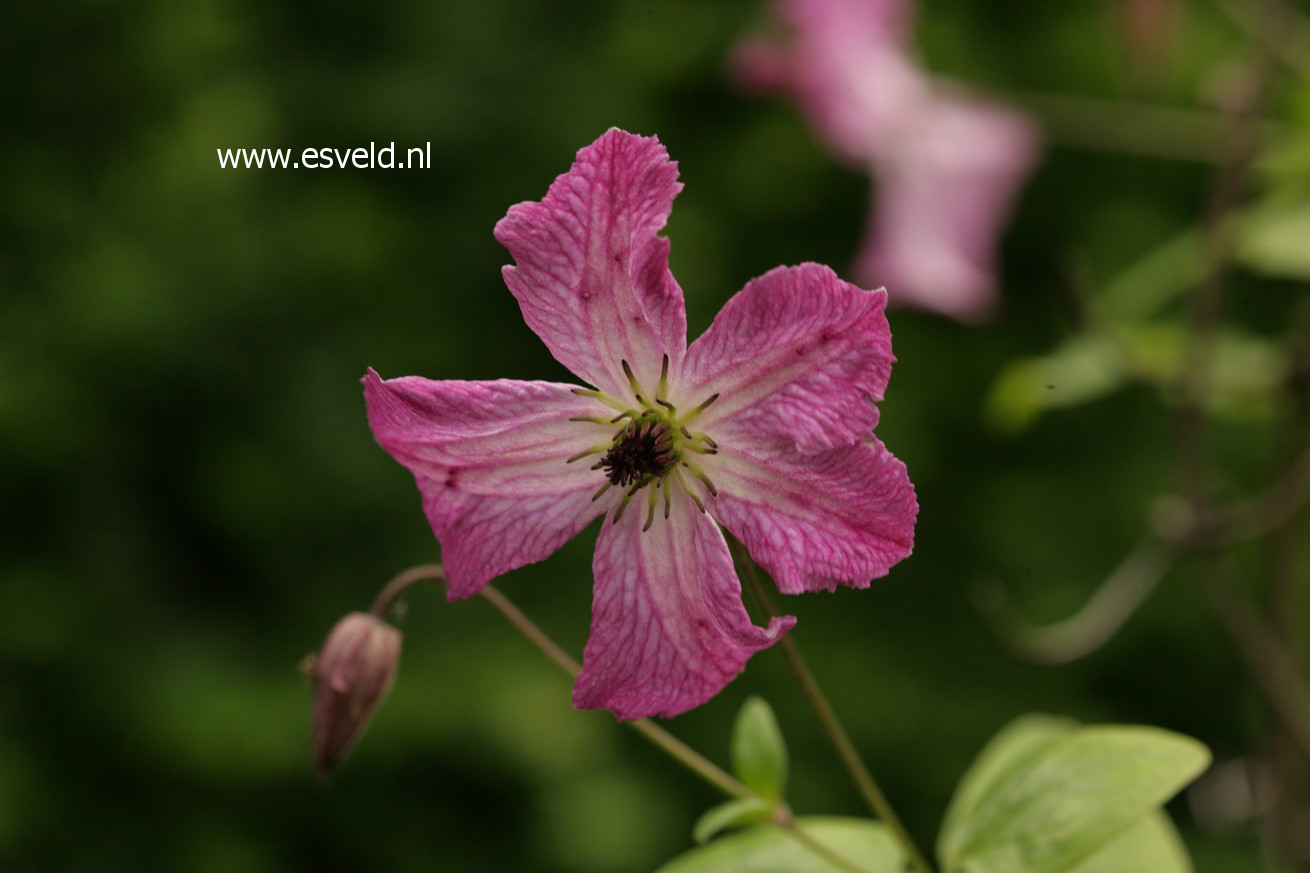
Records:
x=653, y=733
x=785, y=821
x=837, y=735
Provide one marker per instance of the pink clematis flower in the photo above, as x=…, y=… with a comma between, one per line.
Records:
x=946, y=168
x=763, y=425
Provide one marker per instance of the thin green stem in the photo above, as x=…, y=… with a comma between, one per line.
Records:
x=653, y=733
x=832, y=726
x=787, y=822
x=656, y=735
x=391, y=592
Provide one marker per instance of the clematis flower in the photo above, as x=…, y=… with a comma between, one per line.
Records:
x=763, y=425
x=946, y=168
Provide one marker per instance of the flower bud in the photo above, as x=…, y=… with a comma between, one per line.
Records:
x=352, y=676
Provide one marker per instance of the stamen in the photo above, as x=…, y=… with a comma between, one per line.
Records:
x=650, y=510
x=663, y=390
x=601, y=396
x=665, y=487
x=591, y=451
x=637, y=390
x=677, y=471
x=601, y=490
x=623, y=504
x=591, y=418
x=696, y=471
x=698, y=410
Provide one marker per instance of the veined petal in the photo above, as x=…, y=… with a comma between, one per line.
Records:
x=942, y=199
x=591, y=274
x=814, y=522
x=490, y=461
x=799, y=355
x=668, y=628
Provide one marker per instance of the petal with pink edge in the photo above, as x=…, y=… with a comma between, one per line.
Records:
x=798, y=355
x=591, y=273
x=941, y=201
x=840, y=517
x=668, y=628
x=490, y=461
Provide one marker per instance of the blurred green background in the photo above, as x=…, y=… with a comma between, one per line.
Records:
x=191, y=495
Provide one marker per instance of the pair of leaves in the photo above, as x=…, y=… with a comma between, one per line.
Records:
x=1046, y=796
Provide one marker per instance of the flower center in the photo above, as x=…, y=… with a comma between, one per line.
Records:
x=653, y=446
x=642, y=449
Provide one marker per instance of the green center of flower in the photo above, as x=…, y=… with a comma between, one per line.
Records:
x=652, y=446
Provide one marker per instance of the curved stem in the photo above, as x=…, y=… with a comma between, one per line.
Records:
x=832, y=726
x=1082, y=633
x=391, y=592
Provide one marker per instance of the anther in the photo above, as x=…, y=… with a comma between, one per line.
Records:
x=633, y=383
x=601, y=490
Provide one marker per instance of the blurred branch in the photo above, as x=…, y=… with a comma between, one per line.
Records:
x=1218, y=527
x=1292, y=47
x=1146, y=129
x=1114, y=602
x=1267, y=659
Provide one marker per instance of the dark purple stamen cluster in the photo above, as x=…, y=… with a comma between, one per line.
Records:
x=644, y=448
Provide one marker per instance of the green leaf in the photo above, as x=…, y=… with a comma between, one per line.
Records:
x=1082, y=369
x=1275, y=238
x=1152, y=846
x=866, y=844
x=759, y=755
x=1055, y=802
x=733, y=814
x=1153, y=281
x=1247, y=372
x=1017, y=739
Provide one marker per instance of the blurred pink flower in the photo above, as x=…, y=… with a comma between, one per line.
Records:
x=764, y=425
x=946, y=168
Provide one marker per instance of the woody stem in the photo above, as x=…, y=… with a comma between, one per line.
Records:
x=832, y=726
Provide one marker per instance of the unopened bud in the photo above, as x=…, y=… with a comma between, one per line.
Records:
x=352, y=676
